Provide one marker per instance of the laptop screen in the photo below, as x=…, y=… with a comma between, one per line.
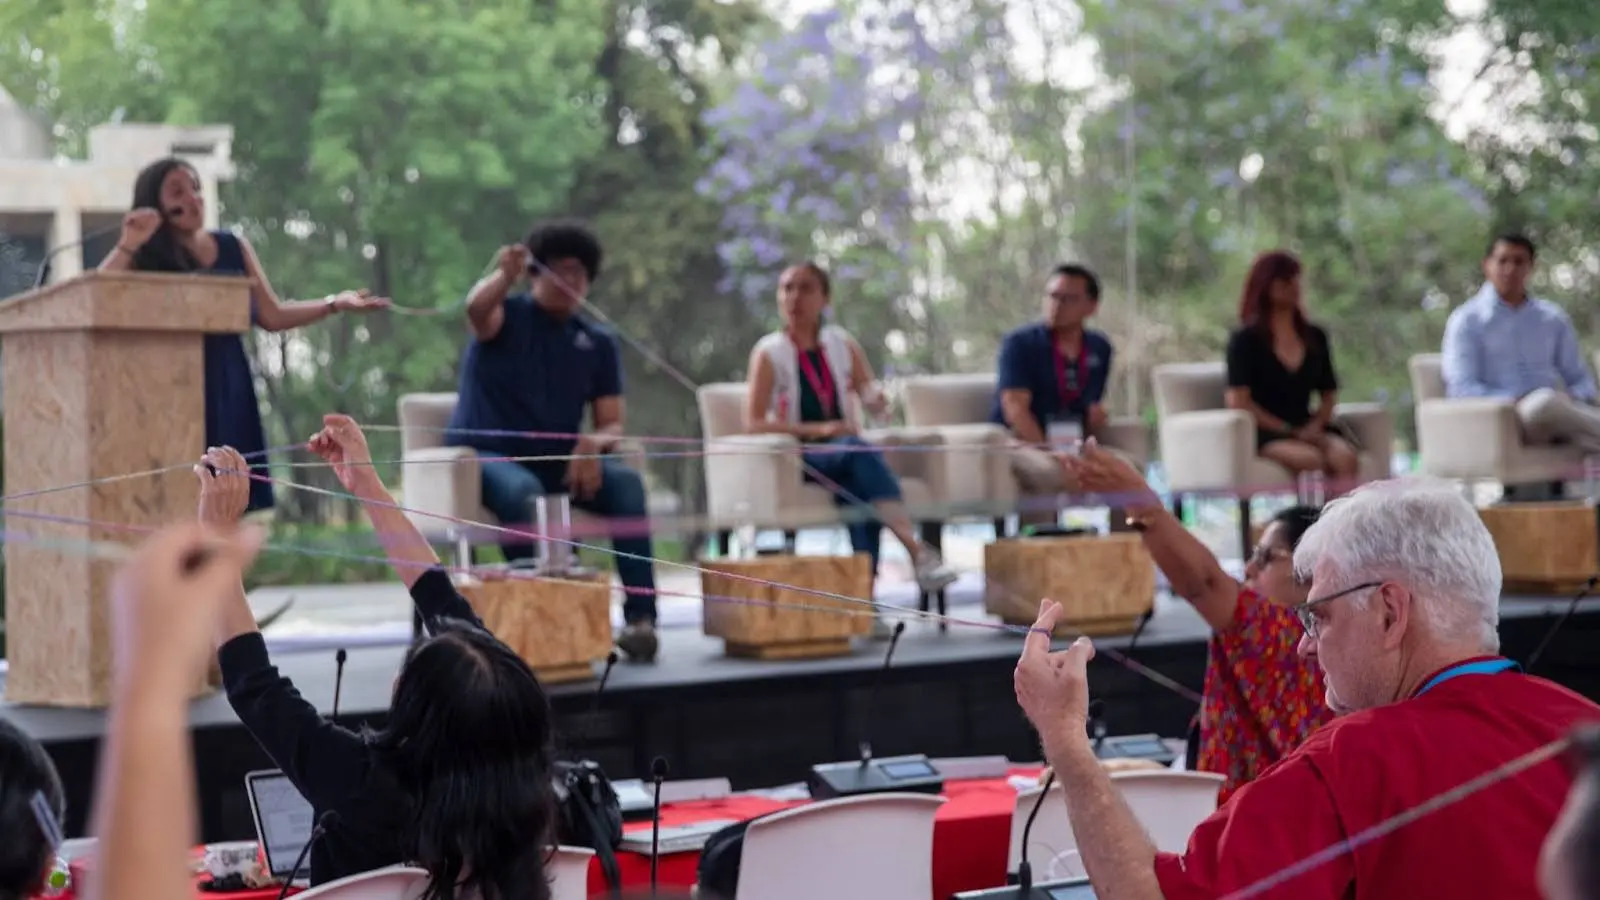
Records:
x=284, y=820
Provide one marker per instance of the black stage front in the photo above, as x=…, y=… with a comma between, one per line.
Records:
x=765, y=723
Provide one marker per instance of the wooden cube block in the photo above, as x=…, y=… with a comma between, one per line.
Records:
x=763, y=621
x=1104, y=584
x=1545, y=547
x=560, y=626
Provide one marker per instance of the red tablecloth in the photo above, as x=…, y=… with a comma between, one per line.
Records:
x=971, y=837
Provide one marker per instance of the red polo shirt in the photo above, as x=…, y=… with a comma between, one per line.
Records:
x=1364, y=768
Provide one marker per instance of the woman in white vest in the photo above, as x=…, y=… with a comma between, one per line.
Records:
x=801, y=382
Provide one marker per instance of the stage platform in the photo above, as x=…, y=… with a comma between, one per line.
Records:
x=762, y=723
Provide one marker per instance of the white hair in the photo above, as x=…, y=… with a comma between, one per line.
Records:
x=1422, y=534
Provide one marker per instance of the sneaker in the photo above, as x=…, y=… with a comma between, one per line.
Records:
x=638, y=640
x=932, y=574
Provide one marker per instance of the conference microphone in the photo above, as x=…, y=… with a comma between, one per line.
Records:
x=1025, y=868
x=44, y=264
x=872, y=696
x=605, y=676
x=324, y=822
x=339, y=657
x=658, y=774
x=868, y=774
x=1544, y=643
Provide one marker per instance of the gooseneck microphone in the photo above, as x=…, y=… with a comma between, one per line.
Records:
x=324, y=822
x=44, y=264
x=658, y=774
x=1544, y=643
x=605, y=676
x=872, y=698
x=1025, y=868
x=339, y=658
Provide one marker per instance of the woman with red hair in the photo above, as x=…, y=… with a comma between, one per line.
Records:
x=1277, y=359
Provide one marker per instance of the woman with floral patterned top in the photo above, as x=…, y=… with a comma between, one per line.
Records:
x=1261, y=699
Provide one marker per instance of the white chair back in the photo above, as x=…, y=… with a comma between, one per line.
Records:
x=874, y=847
x=423, y=419
x=1188, y=387
x=1169, y=804
x=934, y=400
x=392, y=883
x=569, y=873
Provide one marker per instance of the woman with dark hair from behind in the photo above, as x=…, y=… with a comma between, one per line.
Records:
x=1277, y=359
x=27, y=851
x=165, y=232
x=458, y=780
x=1569, y=866
x=1261, y=699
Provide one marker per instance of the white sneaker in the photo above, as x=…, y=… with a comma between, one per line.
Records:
x=932, y=574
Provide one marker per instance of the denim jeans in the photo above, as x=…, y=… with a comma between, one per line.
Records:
x=509, y=489
x=850, y=465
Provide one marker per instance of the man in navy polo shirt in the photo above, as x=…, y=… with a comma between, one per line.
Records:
x=1051, y=381
x=534, y=366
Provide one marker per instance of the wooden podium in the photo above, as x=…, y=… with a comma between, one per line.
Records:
x=103, y=376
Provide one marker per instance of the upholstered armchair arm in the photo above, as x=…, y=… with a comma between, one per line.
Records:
x=971, y=472
x=749, y=475
x=1468, y=436
x=1131, y=435
x=1207, y=449
x=441, y=482
x=1373, y=427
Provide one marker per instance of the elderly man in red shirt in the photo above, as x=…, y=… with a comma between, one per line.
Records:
x=1441, y=776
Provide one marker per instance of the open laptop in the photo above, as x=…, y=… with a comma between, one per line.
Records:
x=284, y=822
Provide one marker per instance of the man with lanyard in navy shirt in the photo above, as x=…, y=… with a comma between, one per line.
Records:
x=1052, y=377
x=535, y=366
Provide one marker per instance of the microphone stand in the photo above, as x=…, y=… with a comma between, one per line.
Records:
x=1572, y=607
x=323, y=822
x=44, y=264
x=658, y=773
x=1025, y=868
x=872, y=697
x=339, y=658
x=605, y=675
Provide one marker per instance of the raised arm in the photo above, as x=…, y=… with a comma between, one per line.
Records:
x=1192, y=570
x=163, y=604
x=320, y=758
x=486, y=302
x=344, y=447
x=138, y=225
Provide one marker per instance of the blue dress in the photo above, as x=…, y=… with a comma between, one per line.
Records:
x=233, y=417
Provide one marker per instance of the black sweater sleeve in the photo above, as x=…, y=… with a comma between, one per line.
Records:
x=324, y=761
x=436, y=598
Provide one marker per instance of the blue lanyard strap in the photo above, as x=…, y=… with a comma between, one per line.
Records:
x=1481, y=667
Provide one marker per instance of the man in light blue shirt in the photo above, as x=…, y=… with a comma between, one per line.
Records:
x=1505, y=343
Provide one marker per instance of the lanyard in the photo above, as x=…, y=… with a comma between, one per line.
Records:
x=1070, y=389
x=1481, y=667
x=821, y=381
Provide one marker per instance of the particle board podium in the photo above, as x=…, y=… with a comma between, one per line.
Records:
x=103, y=376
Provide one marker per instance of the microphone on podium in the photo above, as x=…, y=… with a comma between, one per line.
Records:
x=868, y=774
x=339, y=658
x=1024, y=868
x=43, y=271
x=658, y=774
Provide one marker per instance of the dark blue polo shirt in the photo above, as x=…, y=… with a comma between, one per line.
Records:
x=1027, y=362
x=539, y=373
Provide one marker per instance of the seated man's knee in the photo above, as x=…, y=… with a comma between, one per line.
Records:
x=625, y=489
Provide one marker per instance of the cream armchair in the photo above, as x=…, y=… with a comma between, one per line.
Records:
x=978, y=470
x=757, y=479
x=1479, y=438
x=441, y=484
x=1208, y=448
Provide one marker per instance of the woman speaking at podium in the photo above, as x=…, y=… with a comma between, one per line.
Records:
x=165, y=232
